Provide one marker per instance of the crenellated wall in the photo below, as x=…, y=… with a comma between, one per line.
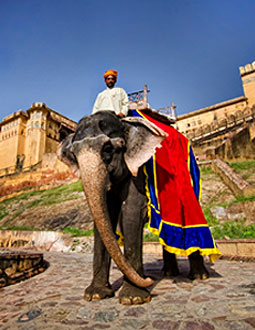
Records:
x=26, y=136
x=209, y=127
x=247, y=74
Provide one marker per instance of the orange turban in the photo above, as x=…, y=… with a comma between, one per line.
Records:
x=111, y=73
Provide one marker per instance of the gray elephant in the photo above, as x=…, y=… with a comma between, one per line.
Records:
x=108, y=153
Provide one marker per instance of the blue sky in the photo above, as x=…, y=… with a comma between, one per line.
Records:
x=186, y=51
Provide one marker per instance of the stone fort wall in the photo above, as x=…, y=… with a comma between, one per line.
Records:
x=207, y=119
x=26, y=136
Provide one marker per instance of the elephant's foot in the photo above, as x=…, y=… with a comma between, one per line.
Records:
x=133, y=295
x=171, y=272
x=197, y=267
x=170, y=267
x=94, y=292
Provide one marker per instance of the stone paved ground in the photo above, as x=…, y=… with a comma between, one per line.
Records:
x=55, y=297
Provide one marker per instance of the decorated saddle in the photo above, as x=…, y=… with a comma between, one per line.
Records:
x=173, y=191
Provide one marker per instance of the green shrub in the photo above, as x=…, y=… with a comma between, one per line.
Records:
x=21, y=228
x=244, y=165
x=211, y=220
x=206, y=170
x=3, y=214
x=233, y=230
x=149, y=237
x=75, y=232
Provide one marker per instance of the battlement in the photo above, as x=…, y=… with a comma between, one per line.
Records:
x=38, y=105
x=18, y=113
x=247, y=69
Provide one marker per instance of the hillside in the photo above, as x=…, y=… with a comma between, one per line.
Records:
x=65, y=206
x=52, y=209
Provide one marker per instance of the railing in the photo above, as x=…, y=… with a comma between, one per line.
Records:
x=138, y=100
x=220, y=127
x=168, y=111
x=7, y=170
x=12, y=170
x=139, y=95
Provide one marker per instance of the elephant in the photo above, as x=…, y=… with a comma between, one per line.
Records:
x=108, y=153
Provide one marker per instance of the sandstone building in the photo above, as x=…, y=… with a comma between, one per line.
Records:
x=201, y=119
x=209, y=128
x=26, y=136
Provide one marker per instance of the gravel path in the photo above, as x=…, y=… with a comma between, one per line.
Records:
x=54, y=299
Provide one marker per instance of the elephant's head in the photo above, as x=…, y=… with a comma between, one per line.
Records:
x=105, y=149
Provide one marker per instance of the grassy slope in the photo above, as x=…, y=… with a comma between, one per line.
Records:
x=233, y=229
x=246, y=169
x=13, y=207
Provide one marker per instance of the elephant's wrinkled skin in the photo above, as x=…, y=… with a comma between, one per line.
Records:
x=109, y=153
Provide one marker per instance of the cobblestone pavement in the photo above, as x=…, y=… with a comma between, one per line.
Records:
x=54, y=299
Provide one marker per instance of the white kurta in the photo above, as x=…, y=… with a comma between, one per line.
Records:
x=114, y=99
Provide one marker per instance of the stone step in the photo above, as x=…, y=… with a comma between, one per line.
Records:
x=18, y=265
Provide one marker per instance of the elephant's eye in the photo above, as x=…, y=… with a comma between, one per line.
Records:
x=107, y=152
x=111, y=128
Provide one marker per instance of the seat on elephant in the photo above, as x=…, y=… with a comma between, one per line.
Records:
x=173, y=192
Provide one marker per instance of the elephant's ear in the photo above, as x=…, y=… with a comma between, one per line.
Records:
x=66, y=155
x=143, y=137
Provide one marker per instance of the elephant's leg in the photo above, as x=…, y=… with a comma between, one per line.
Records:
x=170, y=267
x=100, y=287
x=133, y=217
x=197, y=267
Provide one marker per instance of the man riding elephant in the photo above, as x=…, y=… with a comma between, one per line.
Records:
x=110, y=153
x=112, y=98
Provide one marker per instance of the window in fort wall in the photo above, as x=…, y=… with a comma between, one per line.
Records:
x=35, y=115
x=10, y=125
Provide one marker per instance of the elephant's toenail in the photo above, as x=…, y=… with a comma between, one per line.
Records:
x=87, y=297
x=204, y=277
x=96, y=296
x=125, y=301
x=147, y=299
x=137, y=300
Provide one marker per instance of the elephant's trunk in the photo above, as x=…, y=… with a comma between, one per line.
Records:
x=95, y=181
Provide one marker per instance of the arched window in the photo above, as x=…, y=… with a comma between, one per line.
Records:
x=206, y=128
